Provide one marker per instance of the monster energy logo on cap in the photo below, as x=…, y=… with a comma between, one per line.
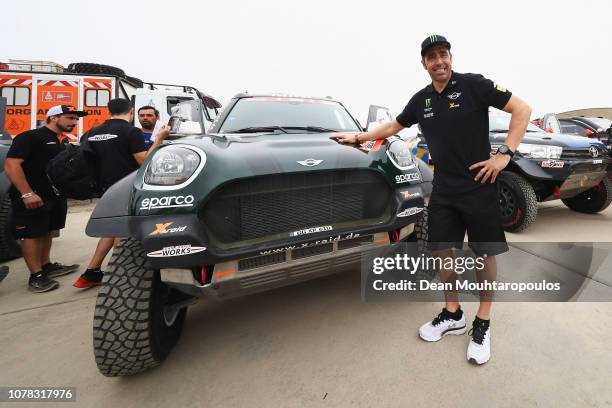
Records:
x=432, y=40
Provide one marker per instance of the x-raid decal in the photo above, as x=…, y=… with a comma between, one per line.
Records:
x=161, y=229
x=310, y=244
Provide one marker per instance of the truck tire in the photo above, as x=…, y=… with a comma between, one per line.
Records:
x=9, y=248
x=132, y=331
x=91, y=68
x=518, y=203
x=593, y=200
x=135, y=81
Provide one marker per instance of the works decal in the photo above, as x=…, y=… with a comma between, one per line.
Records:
x=166, y=202
x=177, y=250
x=310, y=244
x=307, y=231
x=410, y=211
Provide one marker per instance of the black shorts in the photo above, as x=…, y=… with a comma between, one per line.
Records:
x=476, y=212
x=38, y=222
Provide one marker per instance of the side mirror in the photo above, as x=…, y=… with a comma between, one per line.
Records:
x=190, y=128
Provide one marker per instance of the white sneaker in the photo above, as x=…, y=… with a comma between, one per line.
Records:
x=479, y=350
x=442, y=325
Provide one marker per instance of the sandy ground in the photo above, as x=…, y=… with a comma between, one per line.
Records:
x=317, y=344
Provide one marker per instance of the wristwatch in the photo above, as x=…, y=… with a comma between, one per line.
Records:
x=503, y=149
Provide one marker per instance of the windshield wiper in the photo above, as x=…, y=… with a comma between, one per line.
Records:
x=311, y=129
x=257, y=129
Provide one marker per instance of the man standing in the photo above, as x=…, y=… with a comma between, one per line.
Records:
x=38, y=213
x=119, y=149
x=453, y=114
x=148, y=117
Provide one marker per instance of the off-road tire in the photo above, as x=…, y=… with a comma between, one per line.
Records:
x=9, y=248
x=517, y=201
x=130, y=334
x=91, y=68
x=593, y=200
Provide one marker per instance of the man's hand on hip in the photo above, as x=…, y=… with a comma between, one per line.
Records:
x=490, y=168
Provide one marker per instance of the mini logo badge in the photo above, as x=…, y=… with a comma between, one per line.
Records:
x=500, y=88
x=177, y=250
x=453, y=105
x=454, y=95
x=310, y=162
x=594, y=152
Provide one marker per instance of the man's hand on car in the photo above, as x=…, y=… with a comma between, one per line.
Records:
x=163, y=132
x=345, y=138
x=33, y=201
x=491, y=168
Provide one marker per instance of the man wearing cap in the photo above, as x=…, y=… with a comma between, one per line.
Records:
x=452, y=112
x=38, y=212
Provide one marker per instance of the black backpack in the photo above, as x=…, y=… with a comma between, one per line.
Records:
x=72, y=172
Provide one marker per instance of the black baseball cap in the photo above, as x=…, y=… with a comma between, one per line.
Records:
x=432, y=40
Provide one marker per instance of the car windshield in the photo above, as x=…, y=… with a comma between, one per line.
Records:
x=601, y=122
x=288, y=115
x=502, y=124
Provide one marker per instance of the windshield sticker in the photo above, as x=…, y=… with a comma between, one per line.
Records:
x=288, y=100
x=372, y=145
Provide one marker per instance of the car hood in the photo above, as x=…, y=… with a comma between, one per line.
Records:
x=274, y=153
x=552, y=139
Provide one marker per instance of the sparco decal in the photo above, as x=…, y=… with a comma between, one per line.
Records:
x=307, y=231
x=410, y=211
x=177, y=250
x=166, y=202
x=405, y=178
x=309, y=244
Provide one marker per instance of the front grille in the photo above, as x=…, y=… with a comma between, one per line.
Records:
x=578, y=154
x=312, y=251
x=259, y=261
x=263, y=207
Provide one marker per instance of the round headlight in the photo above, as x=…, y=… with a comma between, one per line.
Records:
x=171, y=166
x=399, y=153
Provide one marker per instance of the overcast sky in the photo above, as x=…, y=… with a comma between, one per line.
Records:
x=555, y=55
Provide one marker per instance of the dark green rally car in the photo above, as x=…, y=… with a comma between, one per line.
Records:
x=265, y=199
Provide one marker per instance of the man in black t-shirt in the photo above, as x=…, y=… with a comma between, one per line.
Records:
x=119, y=149
x=38, y=212
x=453, y=114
